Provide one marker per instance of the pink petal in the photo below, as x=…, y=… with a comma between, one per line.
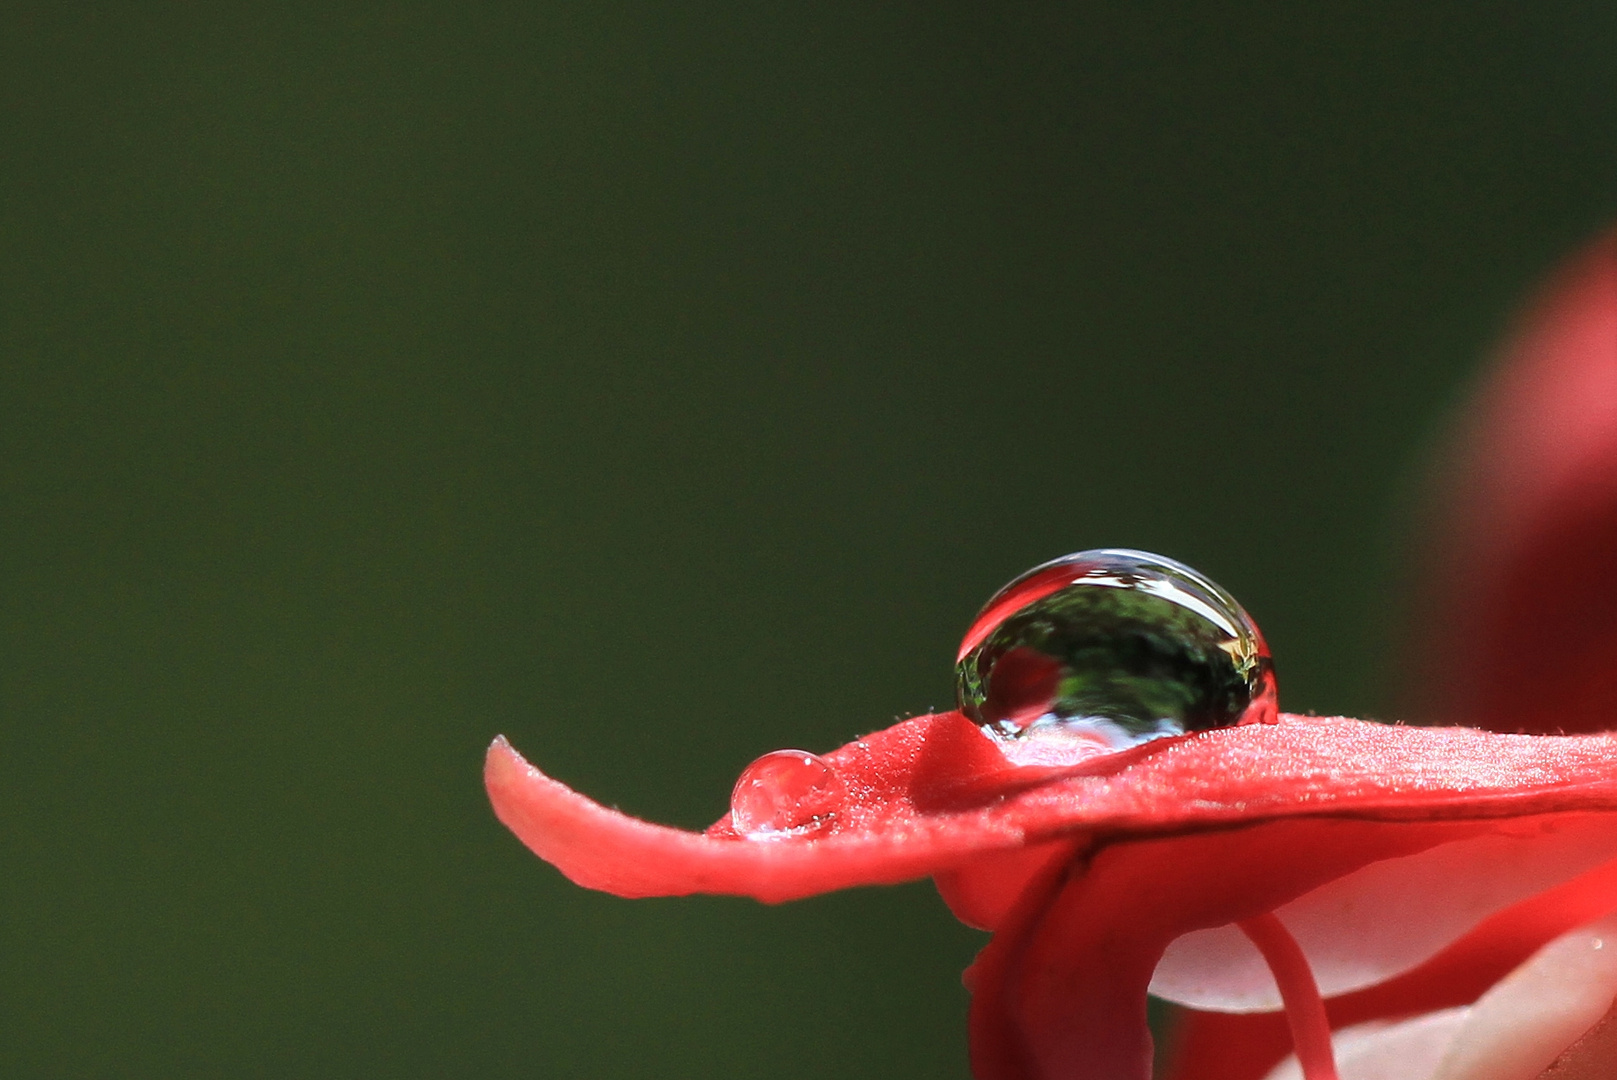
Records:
x=1411, y=1050
x=1356, y=930
x=1519, y=1027
x=1514, y=1032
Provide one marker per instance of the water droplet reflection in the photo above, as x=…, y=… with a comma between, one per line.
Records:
x=786, y=793
x=1113, y=647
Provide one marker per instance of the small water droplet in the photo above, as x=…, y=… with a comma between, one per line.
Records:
x=786, y=793
x=1112, y=648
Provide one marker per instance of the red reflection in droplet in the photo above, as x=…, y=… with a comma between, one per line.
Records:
x=1039, y=583
x=1021, y=687
x=785, y=793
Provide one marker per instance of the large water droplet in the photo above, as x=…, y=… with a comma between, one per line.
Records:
x=785, y=793
x=1111, y=648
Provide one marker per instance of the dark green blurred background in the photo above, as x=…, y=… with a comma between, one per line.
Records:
x=659, y=386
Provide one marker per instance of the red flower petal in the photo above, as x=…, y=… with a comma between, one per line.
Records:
x=1090, y=871
x=932, y=794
